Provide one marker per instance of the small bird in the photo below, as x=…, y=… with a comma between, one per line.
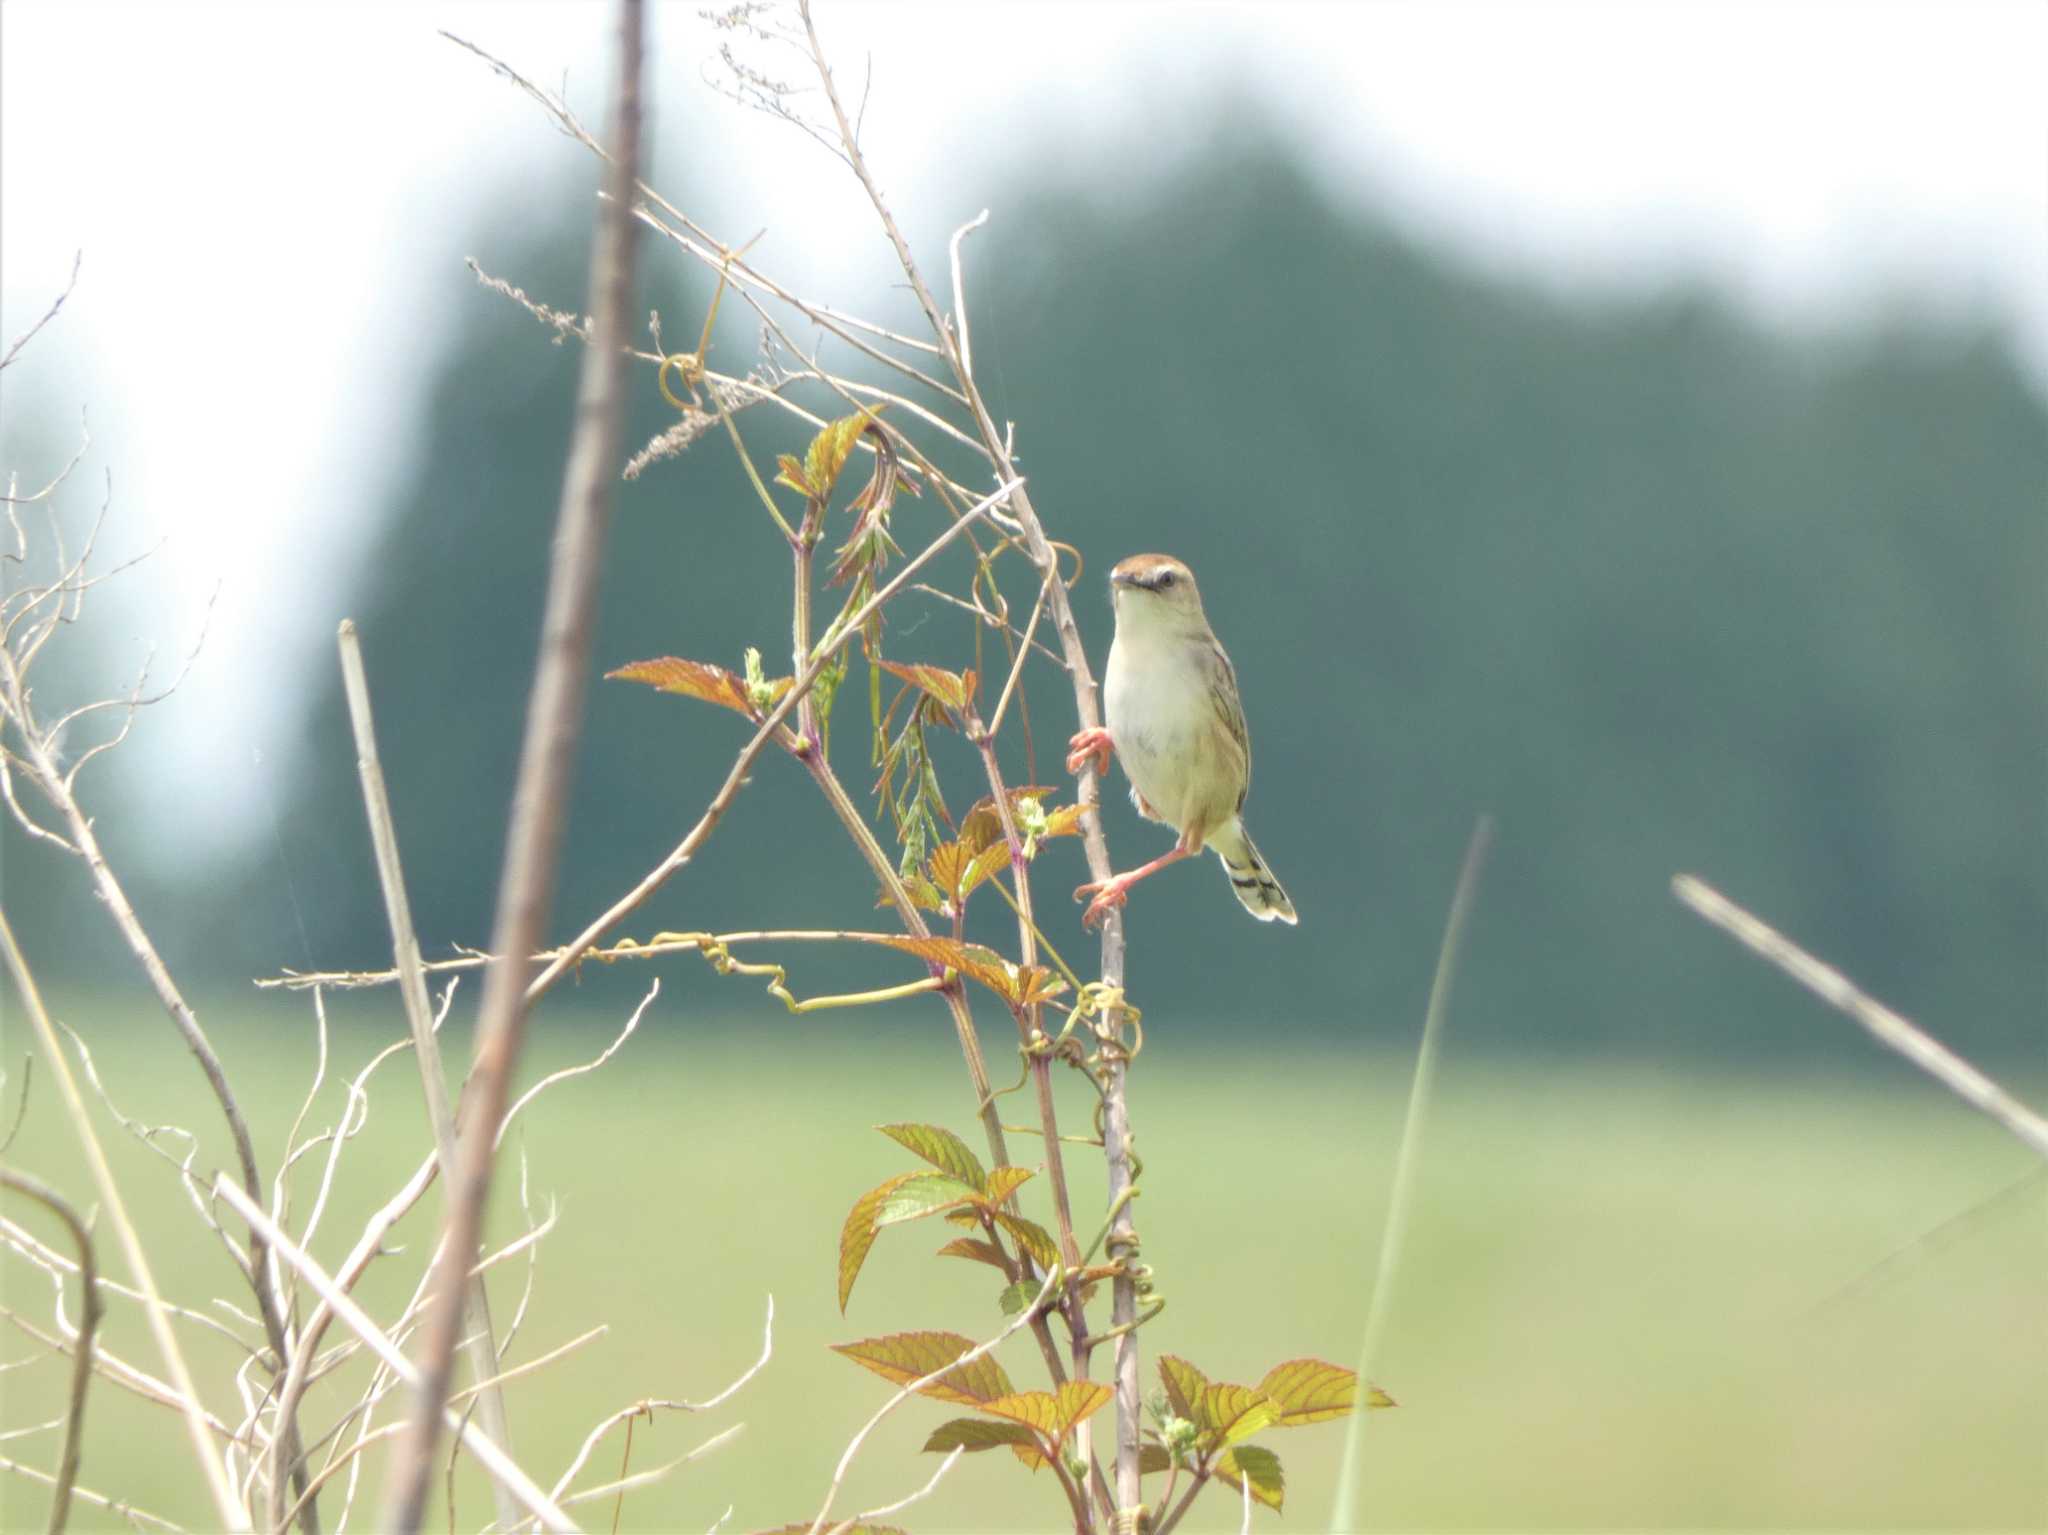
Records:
x=1174, y=718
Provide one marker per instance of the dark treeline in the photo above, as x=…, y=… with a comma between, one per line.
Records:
x=1659, y=589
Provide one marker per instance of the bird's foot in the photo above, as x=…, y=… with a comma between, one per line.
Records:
x=1103, y=897
x=1091, y=746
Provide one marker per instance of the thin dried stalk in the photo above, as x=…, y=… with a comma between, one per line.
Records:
x=480, y=1346
x=546, y=765
x=91, y=1308
x=494, y=1460
x=232, y=1515
x=1883, y=1025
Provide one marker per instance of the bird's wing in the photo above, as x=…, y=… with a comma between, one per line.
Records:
x=1236, y=735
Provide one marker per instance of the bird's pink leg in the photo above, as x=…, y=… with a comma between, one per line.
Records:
x=1111, y=892
x=1091, y=745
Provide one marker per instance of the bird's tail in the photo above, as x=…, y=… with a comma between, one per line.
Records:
x=1256, y=888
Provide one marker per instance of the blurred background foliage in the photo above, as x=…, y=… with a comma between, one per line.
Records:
x=1659, y=588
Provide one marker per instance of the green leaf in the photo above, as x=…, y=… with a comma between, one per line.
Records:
x=1314, y=1391
x=971, y=1434
x=1227, y=1414
x=940, y=1147
x=923, y=1194
x=1258, y=1465
x=1184, y=1385
x=1019, y=1295
x=907, y=1356
x=1153, y=1457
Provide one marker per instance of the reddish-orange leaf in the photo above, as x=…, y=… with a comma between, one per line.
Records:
x=907, y=1356
x=952, y=689
x=970, y=959
x=692, y=679
x=978, y=1250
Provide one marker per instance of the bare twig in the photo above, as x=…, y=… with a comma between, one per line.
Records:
x=546, y=766
x=1884, y=1025
x=918, y=1496
x=480, y=1345
x=126, y=1511
x=1406, y=1161
x=232, y=1515
x=531, y=1498
x=50, y=314
x=736, y=777
x=90, y=1310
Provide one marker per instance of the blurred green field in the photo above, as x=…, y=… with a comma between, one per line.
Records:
x=1613, y=1312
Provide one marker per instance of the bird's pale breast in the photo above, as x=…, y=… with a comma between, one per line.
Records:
x=1160, y=705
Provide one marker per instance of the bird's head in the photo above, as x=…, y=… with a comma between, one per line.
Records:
x=1156, y=592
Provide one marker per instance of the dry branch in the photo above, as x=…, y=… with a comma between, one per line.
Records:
x=1883, y=1025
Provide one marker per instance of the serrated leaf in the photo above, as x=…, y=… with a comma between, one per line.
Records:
x=1005, y=1181
x=907, y=1356
x=1184, y=1385
x=982, y=827
x=971, y=1219
x=1063, y=822
x=1227, y=1414
x=857, y=1236
x=953, y=690
x=1018, y=1296
x=692, y=679
x=1258, y=1465
x=923, y=1194
x=1314, y=1391
x=940, y=1147
x=829, y=451
x=792, y=474
x=970, y=959
x=1052, y=1414
x=978, y=1250
x=971, y=1434
x=1030, y=1236
x=1035, y=983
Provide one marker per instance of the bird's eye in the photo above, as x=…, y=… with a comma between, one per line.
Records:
x=1165, y=579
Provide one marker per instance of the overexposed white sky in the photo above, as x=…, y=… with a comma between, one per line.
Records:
x=271, y=200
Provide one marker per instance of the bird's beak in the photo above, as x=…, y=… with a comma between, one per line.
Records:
x=1118, y=578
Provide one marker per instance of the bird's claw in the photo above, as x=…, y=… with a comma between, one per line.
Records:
x=1089, y=747
x=1107, y=895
